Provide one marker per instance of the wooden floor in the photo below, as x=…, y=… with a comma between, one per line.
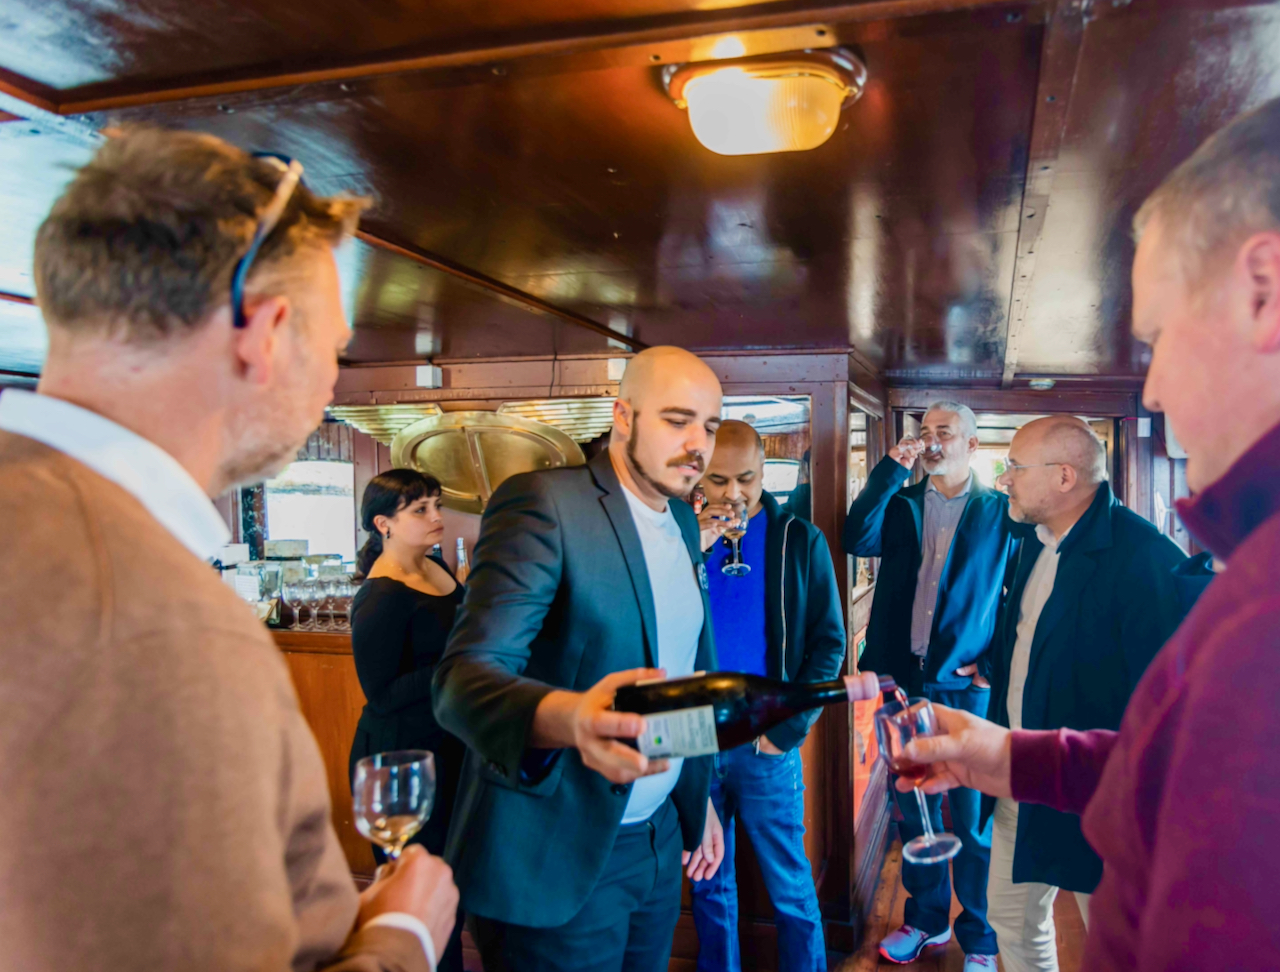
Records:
x=886, y=915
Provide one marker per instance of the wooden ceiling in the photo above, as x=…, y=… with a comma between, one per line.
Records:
x=537, y=190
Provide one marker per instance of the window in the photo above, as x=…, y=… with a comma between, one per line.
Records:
x=314, y=500
x=780, y=477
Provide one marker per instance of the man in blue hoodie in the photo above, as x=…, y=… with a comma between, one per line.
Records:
x=782, y=618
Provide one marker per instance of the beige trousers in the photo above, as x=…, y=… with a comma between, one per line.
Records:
x=1021, y=914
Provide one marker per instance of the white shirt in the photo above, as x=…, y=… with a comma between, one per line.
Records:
x=164, y=488
x=140, y=467
x=1034, y=596
x=677, y=606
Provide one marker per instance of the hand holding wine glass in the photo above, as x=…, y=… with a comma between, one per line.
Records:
x=906, y=451
x=897, y=725
x=713, y=521
x=417, y=884
x=966, y=751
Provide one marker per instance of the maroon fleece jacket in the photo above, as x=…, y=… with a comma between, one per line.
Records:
x=1183, y=803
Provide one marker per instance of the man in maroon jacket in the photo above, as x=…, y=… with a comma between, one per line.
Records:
x=1183, y=804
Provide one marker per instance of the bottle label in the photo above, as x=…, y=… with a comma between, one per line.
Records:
x=679, y=733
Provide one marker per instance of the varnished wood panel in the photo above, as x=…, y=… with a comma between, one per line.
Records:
x=329, y=694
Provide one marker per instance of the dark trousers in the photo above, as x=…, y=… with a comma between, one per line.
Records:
x=766, y=793
x=929, y=907
x=626, y=924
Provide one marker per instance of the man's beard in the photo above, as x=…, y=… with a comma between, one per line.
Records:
x=264, y=444
x=665, y=490
x=943, y=467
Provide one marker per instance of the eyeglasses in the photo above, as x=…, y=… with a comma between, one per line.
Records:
x=1013, y=467
x=292, y=175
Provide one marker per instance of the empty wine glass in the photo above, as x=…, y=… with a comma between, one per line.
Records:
x=292, y=595
x=331, y=588
x=342, y=593
x=735, y=567
x=313, y=595
x=392, y=795
x=895, y=727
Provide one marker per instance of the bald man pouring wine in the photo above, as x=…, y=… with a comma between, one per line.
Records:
x=568, y=843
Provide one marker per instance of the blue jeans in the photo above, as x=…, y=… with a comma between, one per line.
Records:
x=767, y=794
x=929, y=907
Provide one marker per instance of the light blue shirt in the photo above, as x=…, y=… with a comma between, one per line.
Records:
x=941, y=518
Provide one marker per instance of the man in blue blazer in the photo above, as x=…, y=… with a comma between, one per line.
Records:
x=566, y=843
x=1097, y=591
x=945, y=545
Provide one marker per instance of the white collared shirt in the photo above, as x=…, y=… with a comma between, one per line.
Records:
x=140, y=467
x=1034, y=596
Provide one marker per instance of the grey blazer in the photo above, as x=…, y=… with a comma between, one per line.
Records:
x=559, y=597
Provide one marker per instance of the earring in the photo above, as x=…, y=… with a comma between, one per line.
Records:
x=388, y=536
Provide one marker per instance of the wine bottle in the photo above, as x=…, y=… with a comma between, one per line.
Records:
x=709, y=712
x=462, y=569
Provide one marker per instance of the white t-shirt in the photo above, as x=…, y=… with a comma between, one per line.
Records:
x=1034, y=597
x=677, y=605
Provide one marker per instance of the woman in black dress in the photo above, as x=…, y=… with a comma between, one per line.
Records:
x=400, y=623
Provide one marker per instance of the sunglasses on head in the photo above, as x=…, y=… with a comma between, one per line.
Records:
x=291, y=170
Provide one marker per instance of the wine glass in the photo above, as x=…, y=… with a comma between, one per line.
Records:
x=735, y=567
x=346, y=591
x=332, y=589
x=313, y=595
x=392, y=795
x=292, y=594
x=895, y=727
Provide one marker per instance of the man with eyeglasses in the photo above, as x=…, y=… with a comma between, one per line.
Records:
x=1093, y=598
x=945, y=545
x=167, y=806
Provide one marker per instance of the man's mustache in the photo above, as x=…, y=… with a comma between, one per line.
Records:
x=689, y=459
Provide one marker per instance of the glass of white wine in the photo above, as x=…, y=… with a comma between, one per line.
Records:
x=733, y=534
x=392, y=795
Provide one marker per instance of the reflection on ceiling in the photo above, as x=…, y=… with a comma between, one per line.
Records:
x=966, y=223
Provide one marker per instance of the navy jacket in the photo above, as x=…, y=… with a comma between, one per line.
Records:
x=804, y=613
x=1116, y=599
x=886, y=521
x=559, y=598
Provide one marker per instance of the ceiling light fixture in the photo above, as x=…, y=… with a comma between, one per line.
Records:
x=770, y=103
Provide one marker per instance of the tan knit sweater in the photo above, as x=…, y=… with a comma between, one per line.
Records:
x=162, y=801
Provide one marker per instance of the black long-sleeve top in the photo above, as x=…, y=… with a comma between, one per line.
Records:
x=397, y=637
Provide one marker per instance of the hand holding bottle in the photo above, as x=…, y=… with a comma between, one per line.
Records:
x=587, y=722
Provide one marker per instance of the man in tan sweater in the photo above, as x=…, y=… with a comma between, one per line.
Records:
x=164, y=802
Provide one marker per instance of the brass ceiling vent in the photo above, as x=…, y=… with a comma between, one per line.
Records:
x=582, y=419
x=382, y=421
x=472, y=453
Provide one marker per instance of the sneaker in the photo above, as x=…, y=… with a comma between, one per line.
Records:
x=906, y=944
x=979, y=963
